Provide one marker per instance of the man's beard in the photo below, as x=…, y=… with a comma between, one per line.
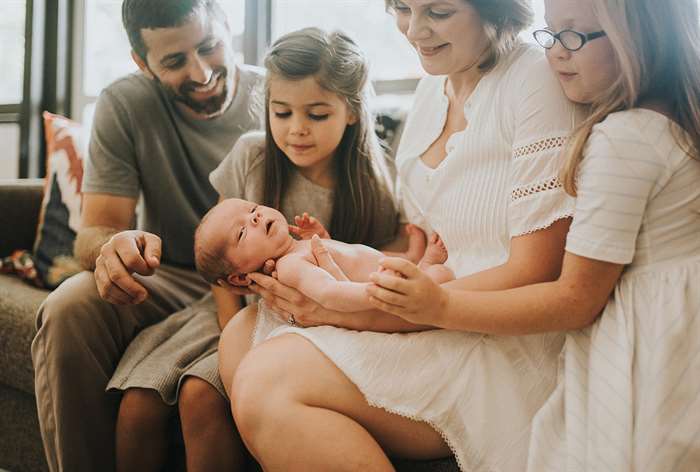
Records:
x=212, y=105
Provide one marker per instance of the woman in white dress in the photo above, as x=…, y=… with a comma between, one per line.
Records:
x=478, y=164
x=628, y=394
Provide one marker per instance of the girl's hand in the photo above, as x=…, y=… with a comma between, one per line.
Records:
x=307, y=226
x=402, y=289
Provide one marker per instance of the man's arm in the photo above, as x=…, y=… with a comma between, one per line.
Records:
x=103, y=216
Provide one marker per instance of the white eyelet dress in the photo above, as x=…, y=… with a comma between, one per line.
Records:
x=499, y=180
x=628, y=397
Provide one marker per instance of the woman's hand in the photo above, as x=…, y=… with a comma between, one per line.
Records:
x=404, y=290
x=287, y=302
x=307, y=226
x=268, y=269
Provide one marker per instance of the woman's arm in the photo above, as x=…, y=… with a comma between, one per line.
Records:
x=534, y=257
x=573, y=301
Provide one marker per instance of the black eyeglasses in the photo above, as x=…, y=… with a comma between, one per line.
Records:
x=570, y=39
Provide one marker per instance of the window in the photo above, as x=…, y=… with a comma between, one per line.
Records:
x=12, y=58
x=105, y=54
x=538, y=6
x=390, y=56
x=12, y=33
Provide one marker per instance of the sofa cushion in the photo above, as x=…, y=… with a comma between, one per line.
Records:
x=60, y=210
x=18, y=306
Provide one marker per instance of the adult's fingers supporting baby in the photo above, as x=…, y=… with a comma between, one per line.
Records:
x=402, y=266
x=269, y=267
x=274, y=287
x=387, y=296
x=387, y=307
x=390, y=281
x=262, y=280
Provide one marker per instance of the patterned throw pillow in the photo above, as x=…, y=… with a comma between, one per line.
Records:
x=59, y=218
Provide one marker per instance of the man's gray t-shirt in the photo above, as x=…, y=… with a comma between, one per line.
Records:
x=141, y=143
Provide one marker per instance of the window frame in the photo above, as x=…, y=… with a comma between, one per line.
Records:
x=45, y=80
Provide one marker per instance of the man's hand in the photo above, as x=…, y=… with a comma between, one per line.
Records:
x=307, y=226
x=126, y=253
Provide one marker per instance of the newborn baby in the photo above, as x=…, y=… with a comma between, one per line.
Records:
x=238, y=237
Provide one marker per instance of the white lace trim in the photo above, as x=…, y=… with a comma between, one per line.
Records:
x=547, y=223
x=522, y=192
x=539, y=146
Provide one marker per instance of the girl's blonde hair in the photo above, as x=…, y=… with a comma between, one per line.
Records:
x=503, y=20
x=363, y=185
x=656, y=48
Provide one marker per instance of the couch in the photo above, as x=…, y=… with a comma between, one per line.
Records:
x=20, y=442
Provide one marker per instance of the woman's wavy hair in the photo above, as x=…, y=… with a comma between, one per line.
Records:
x=503, y=21
x=656, y=46
x=363, y=184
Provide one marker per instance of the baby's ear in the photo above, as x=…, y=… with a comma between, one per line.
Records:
x=239, y=280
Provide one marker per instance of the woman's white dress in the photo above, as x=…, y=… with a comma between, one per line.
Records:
x=628, y=397
x=499, y=180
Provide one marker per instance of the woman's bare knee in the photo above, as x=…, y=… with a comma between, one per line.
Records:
x=256, y=389
x=290, y=370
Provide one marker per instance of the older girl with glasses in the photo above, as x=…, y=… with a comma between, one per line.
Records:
x=478, y=164
x=628, y=394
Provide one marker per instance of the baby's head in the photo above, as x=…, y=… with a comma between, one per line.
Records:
x=236, y=237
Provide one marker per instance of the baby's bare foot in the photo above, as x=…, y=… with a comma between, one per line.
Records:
x=435, y=253
x=416, y=243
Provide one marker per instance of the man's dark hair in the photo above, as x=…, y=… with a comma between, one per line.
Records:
x=150, y=14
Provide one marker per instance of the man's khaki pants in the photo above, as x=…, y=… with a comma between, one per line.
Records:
x=78, y=345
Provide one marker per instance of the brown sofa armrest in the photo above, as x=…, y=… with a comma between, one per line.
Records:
x=20, y=201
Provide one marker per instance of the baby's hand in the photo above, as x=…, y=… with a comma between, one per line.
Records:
x=306, y=226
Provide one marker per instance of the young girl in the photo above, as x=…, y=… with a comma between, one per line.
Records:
x=320, y=155
x=628, y=395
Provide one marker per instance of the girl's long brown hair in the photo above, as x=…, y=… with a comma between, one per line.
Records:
x=362, y=180
x=657, y=51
